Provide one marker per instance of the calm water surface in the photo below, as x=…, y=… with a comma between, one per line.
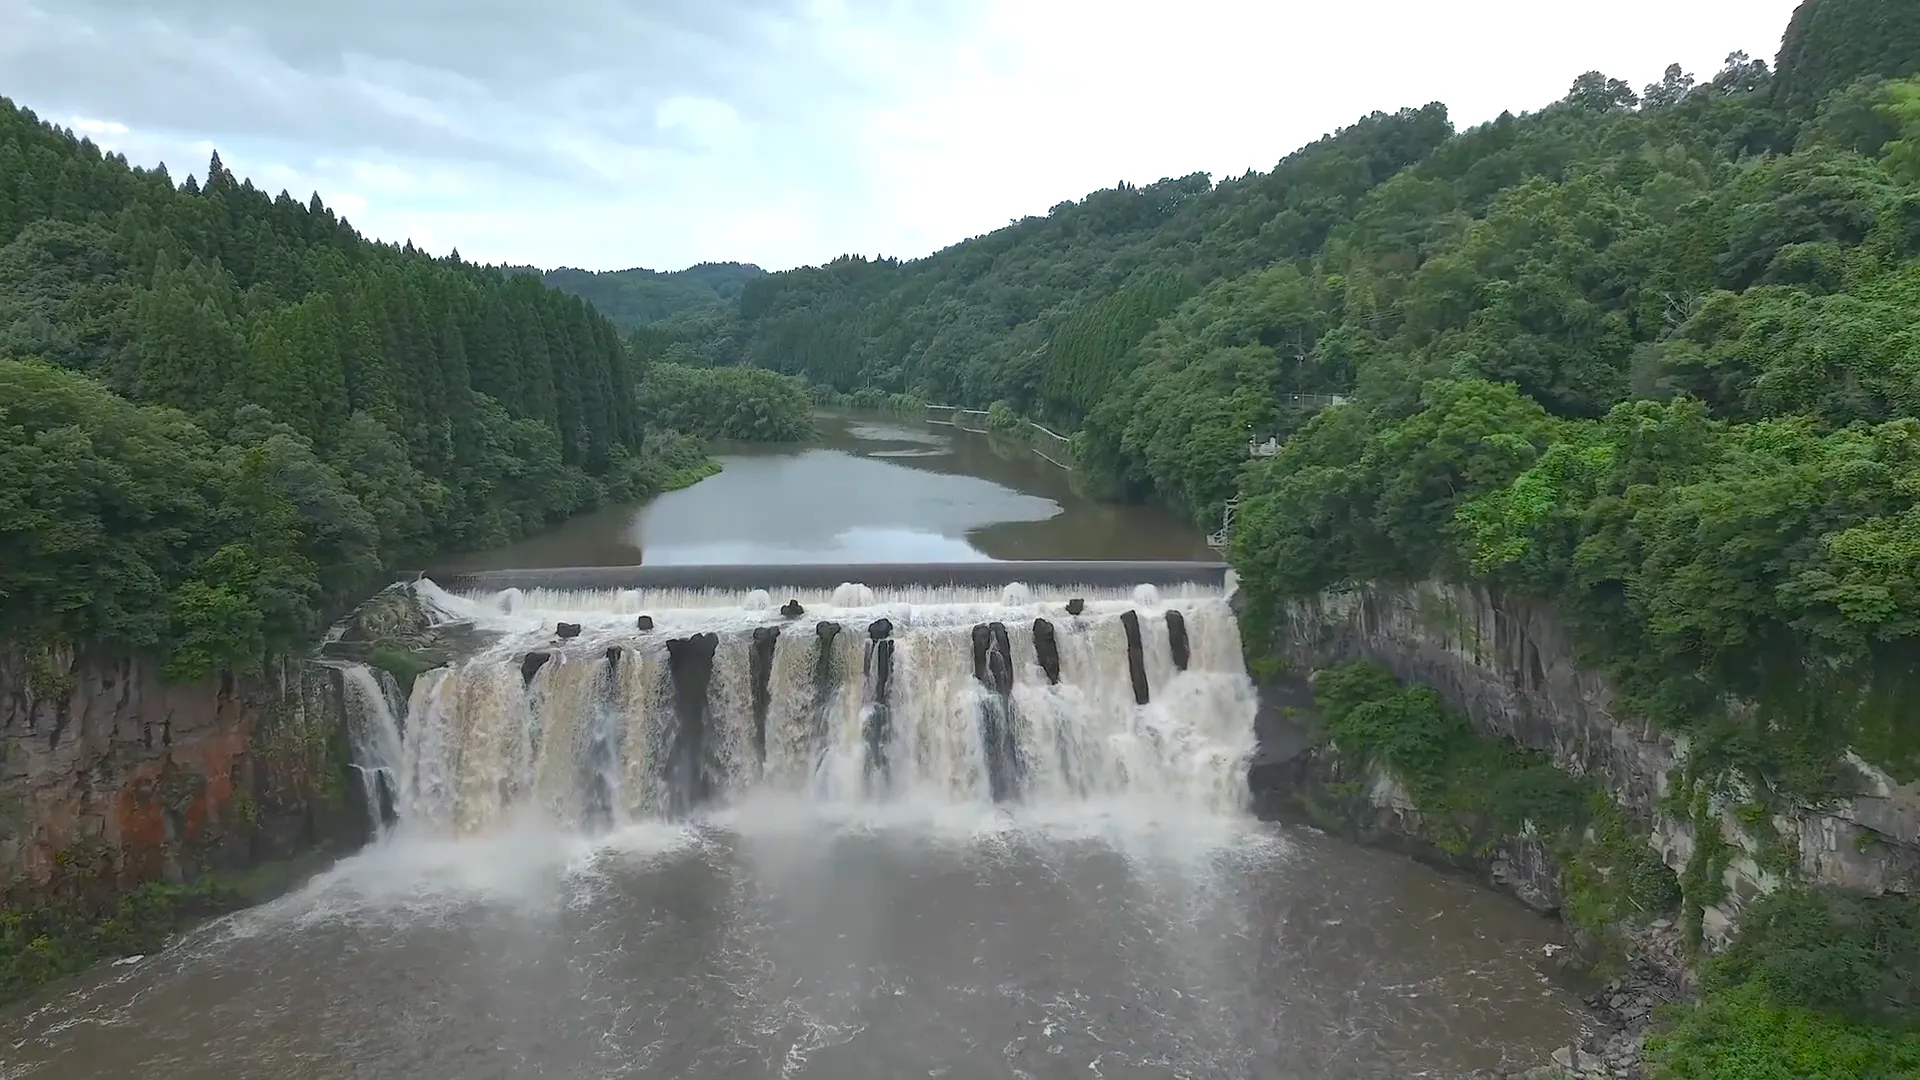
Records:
x=871, y=489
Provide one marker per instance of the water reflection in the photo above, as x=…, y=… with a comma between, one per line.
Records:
x=869, y=489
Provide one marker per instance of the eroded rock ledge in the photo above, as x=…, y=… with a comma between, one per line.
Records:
x=1508, y=666
x=111, y=776
x=107, y=770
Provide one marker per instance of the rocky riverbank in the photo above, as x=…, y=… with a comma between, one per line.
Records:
x=1627, y=1007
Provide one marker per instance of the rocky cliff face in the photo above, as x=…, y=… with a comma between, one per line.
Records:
x=109, y=771
x=1509, y=666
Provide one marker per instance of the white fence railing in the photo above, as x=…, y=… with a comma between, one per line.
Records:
x=1218, y=541
x=957, y=417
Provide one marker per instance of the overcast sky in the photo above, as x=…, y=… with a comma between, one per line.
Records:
x=615, y=133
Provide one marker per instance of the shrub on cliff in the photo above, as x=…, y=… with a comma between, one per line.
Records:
x=1850, y=954
x=1474, y=793
x=1743, y=1034
x=1822, y=985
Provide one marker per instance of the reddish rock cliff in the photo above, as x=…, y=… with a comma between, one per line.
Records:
x=111, y=774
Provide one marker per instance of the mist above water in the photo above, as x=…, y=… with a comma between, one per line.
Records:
x=706, y=850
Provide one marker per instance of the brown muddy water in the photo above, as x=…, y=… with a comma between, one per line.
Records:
x=1123, y=918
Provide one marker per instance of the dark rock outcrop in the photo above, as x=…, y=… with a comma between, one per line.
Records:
x=1136, y=657
x=688, y=773
x=1046, y=649
x=1177, y=640
x=993, y=668
x=760, y=677
x=879, y=723
x=531, y=664
x=106, y=766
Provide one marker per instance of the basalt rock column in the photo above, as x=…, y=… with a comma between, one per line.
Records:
x=993, y=668
x=690, y=666
x=531, y=665
x=1046, y=648
x=879, y=673
x=1136, y=656
x=760, y=674
x=1177, y=640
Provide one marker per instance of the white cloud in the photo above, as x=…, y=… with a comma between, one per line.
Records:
x=104, y=128
x=614, y=133
x=707, y=122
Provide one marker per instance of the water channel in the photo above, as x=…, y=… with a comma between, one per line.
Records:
x=1122, y=918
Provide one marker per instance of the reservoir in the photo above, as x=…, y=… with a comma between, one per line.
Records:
x=871, y=489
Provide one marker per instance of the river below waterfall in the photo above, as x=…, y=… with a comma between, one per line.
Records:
x=944, y=838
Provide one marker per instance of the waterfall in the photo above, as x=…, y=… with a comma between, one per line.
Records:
x=600, y=709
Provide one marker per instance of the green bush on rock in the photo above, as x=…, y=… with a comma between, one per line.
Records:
x=1817, y=985
x=1475, y=793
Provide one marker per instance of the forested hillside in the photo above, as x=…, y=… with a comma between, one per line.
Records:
x=637, y=298
x=1650, y=355
x=1169, y=322
x=224, y=414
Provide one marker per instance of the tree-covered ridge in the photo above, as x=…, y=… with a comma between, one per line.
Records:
x=1016, y=315
x=634, y=299
x=1171, y=322
x=1831, y=43
x=1676, y=396
x=222, y=414
x=1648, y=354
x=736, y=403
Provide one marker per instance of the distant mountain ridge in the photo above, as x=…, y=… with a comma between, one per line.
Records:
x=636, y=298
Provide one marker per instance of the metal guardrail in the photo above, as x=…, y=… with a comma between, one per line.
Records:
x=1218, y=541
x=1060, y=442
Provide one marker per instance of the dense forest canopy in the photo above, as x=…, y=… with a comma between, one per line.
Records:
x=1650, y=355
x=637, y=298
x=223, y=414
x=734, y=403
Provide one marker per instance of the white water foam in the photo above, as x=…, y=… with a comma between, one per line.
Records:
x=590, y=738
